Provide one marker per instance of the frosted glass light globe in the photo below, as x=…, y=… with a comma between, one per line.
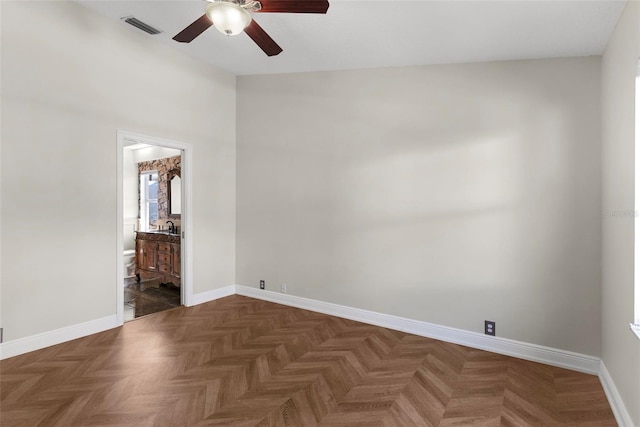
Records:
x=228, y=18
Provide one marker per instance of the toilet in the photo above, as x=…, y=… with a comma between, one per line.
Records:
x=129, y=256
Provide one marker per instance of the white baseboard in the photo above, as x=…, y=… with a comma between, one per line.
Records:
x=207, y=296
x=623, y=417
x=522, y=350
x=58, y=336
x=537, y=353
x=533, y=352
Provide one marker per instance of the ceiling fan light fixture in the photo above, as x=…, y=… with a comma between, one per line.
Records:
x=228, y=18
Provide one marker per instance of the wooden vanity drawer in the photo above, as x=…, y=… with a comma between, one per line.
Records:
x=164, y=258
x=164, y=247
x=164, y=268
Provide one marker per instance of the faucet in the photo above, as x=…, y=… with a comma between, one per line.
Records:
x=172, y=227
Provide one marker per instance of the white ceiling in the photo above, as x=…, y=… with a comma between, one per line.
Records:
x=387, y=33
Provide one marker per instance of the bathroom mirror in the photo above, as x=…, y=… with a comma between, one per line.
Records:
x=174, y=193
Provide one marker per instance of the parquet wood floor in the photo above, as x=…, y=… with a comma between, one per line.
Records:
x=244, y=362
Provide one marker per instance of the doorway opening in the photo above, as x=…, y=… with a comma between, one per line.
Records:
x=153, y=178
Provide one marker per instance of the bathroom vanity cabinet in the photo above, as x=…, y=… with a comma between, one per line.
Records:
x=158, y=257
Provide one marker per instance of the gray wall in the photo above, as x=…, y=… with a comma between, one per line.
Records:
x=448, y=194
x=620, y=347
x=70, y=79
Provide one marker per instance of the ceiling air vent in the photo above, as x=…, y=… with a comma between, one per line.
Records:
x=141, y=25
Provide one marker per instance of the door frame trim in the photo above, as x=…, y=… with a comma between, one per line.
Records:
x=186, y=273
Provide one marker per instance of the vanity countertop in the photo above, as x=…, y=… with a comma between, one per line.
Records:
x=159, y=235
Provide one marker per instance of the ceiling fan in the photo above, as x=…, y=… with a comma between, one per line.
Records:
x=231, y=17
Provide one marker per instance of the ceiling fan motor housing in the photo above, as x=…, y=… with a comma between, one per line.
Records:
x=250, y=5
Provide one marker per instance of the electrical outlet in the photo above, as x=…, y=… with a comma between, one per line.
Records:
x=490, y=327
x=283, y=288
x=261, y=284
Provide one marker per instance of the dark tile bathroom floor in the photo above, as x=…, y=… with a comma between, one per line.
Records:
x=143, y=298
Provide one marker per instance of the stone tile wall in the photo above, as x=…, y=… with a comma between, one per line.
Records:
x=167, y=168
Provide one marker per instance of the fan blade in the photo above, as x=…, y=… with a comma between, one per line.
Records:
x=194, y=30
x=262, y=39
x=294, y=6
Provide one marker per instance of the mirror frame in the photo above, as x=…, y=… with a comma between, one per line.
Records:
x=170, y=175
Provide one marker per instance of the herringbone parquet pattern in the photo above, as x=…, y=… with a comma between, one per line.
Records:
x=244, y=362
